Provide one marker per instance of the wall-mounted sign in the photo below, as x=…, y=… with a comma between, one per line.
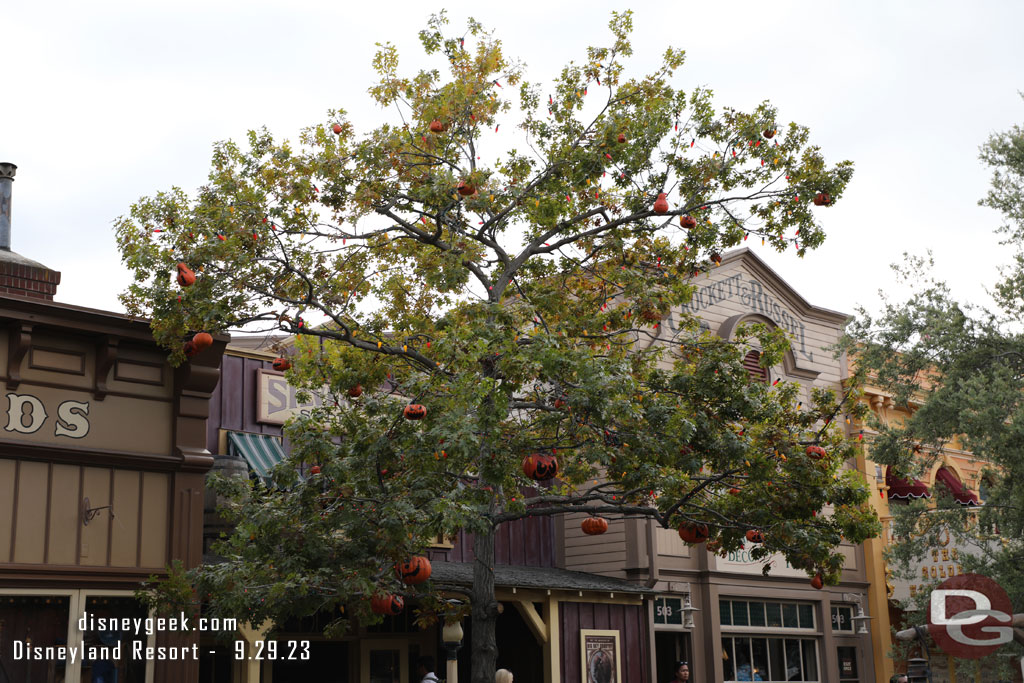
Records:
x=600, y=656
x=668, y=611
x=276, y=400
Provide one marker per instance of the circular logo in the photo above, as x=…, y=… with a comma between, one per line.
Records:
x=969, y=616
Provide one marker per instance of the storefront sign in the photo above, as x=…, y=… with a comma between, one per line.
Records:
x=276, y=400
x=938, y=564
x=26, y=414
x=752, y=295
x=741, y=562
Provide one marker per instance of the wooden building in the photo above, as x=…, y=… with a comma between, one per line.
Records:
x=102, y=461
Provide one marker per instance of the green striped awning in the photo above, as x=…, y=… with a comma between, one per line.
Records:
x=261, y=451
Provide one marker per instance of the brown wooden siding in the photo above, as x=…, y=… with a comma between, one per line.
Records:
x=629, y=620
x=41, y=505
x=523, y=542
x=233, y=403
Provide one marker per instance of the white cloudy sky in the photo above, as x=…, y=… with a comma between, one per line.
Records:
x=104, y=102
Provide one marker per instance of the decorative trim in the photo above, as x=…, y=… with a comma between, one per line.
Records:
x=106, y=355
x=123, y=378
x=38, y=365
x=20, y=343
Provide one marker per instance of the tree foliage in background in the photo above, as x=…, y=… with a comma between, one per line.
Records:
x=959, y=368
x=492, y=252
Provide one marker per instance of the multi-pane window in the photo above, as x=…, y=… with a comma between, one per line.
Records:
x=761, y=655
x=842, y=618
x=772, y=660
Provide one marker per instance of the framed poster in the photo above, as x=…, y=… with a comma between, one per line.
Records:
x=599, y=651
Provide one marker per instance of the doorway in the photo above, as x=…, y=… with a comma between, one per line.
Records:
x=671, y=647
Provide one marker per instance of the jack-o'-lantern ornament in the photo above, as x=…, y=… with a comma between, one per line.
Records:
x=540, y=467
x=621, y=139
x=437, y=127
x=661, y=203
x=389, y=605
x=818, y=582
x=281, y=364
x=414, y=411
x=315, y=469
x=755, y=536
x=356, y=391
x=822, y=199
x=594, y=526
x=769, y=133
x=466, y=188
x=202, y=341
x=692, y=532
x=815, y=452
x=688, y=222
x=186, y=276
x=415, y=571
x=336, y=128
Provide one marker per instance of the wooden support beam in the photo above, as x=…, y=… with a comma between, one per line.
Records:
x=537, y=625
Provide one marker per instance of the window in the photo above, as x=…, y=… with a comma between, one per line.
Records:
x=771, y=660
x=842, y=618
x=752, y=362
x=758, y=643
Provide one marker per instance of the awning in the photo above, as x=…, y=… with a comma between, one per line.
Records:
x=901, y=488
x=960, y=492
x=261, y=451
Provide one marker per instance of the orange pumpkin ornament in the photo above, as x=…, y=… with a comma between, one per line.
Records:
x=186, y=276
x=755, y=536
x=688, y=222
x=734, y=491
x=389, y=605
x=315, y=469
x=336, y=128
x=693, y=533
x=818, y=582
x=437, y=127
x=540, y=467
x=822, y=199
x=622, y=138
x=281, y=364
x=356, y=391
x=415, y=571
x=815, y=452
x=769, y=133
x=189, y=348
x=661, y=203
x=414, y=411
x=594, y=526
x=202, y=341
x=466, y=189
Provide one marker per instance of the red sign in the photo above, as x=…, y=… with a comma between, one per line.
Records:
x=969, y=616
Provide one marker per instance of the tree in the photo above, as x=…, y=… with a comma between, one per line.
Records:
x=958, y=371
x=522, y=302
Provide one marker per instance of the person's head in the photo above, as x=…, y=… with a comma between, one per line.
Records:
x=898, y=678
x=425, y=665
x=503, y=676
x=682, y=671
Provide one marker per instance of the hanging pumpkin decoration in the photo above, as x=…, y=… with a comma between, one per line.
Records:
x=189, y=348
x=315, y=469
x=622, y=138
x=389, y=605
x=281, y=364
x=661, y=203
x=466, y=188
x=594, y=526
x=202, y=341
x=336, y=128
x=356, y=391
x=540, y=467
x=688, y=222
x=815, y=452
x=437, y=127
x=414, y=411
x=415, y=571
x=186, y=276
x=692, y=532
x=769, y=133
x=716, y=258
x=734, y=491
x=755, y=536
x=822, y=199
x=818, y=582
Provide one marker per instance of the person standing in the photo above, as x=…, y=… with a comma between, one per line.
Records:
x=425, y=669
x=682, y=673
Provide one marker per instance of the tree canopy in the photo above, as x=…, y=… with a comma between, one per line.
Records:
x=512, y=257
x=957, y=370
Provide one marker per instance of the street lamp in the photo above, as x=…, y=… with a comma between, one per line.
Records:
x=688, y=609
x=918, y=671
x=451, y=636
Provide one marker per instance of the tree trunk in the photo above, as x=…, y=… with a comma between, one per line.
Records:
x=484, y=652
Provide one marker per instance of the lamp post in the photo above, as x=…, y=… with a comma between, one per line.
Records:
x=451, y=636
x=688, y=609
x=918, y=671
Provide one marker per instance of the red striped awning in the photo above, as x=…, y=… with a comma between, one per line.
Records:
x=960, y=493
x=901, y=488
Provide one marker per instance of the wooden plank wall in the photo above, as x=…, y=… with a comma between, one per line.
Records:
x=233, y=403
x=523, y=543
x=629, y=620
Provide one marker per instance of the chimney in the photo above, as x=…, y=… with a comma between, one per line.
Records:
x=18, y=275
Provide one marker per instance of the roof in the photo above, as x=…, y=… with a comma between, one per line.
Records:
x=15, y=257
x=506, y=576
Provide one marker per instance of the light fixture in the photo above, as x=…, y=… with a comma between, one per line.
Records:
x=89, y=514
x=688, y=609
x=861, y=619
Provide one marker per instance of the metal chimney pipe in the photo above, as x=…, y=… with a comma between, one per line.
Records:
x=6, y=179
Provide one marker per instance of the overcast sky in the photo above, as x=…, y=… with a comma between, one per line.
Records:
x=104, y=102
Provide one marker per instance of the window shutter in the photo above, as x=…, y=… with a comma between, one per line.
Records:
x=751, y=363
